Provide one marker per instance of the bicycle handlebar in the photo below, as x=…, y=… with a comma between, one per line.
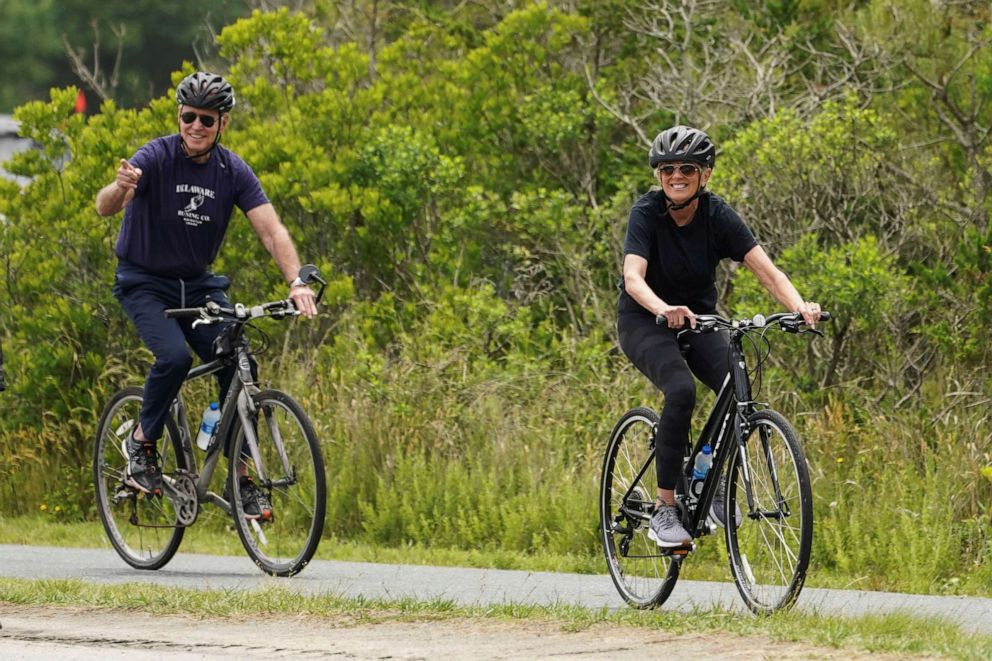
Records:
x=212, y=312
x=183, y=313
x=790, y=322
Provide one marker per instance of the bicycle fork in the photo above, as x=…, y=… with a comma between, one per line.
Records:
x=249, y=414
x=782, y=510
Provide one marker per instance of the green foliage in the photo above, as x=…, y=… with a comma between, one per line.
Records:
x=860, y=286
x=153, y=37
x=29, y=49
x=899, y=494
x=791, y=175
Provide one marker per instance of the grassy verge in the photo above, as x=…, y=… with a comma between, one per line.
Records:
x=218, y=538
x=899, y=634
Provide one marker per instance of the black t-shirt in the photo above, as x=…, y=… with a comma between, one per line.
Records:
x=682, y=260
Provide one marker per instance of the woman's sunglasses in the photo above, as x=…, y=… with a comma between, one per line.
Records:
x=189, y=117
x=686, y=169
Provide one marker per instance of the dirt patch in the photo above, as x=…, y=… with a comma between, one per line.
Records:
x=68, y=633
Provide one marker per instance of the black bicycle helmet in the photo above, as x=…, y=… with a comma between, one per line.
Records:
x=206, y=90
x=680, y=144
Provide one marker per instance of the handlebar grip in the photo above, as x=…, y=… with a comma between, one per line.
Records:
x=824, y=315
x=183, y=313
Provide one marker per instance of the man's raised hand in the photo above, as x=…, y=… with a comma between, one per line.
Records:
x=128, y=175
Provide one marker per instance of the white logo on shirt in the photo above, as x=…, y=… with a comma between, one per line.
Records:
x=199, y=196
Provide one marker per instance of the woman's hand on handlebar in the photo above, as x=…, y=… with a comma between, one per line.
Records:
x=810, y=312
x=675, y=316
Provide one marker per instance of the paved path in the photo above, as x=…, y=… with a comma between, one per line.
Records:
x=460, y=585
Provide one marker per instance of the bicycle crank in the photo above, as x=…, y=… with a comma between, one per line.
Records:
x=182, y=490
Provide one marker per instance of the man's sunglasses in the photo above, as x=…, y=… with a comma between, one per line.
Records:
x=686, y=169
x=189, y=117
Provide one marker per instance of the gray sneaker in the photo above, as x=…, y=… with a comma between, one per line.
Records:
x=718, y=510
x=666, y=528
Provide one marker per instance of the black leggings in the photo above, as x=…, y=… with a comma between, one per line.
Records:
x=654, y=350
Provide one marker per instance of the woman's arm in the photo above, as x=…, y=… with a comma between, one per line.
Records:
x=779, y=285
x=635, y=268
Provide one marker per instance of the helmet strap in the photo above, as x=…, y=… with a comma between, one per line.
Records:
x=675, y=207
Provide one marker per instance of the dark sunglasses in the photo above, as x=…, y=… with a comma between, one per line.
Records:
x=189, y=117
x=686, y=169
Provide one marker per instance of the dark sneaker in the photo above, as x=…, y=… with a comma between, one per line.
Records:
x=254, y=501
x=142, y=471
x=718, y=510
x=666, y=528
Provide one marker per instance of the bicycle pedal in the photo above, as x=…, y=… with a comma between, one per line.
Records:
x=682, y=551
x=122, y=494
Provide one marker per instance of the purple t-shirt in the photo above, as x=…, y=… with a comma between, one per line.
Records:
x=175, y=224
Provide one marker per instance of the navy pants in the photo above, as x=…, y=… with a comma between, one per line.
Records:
x=654, y=350
x=144, y=296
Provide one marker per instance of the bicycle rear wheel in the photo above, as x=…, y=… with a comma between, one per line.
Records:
x=770, y=548
x=642, y=574
x=296, y=487
x=142, y=530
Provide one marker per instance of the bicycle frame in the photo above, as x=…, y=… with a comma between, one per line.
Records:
x=238, y=403
x=726, y=426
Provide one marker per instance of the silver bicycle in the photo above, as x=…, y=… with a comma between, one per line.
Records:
x=266, y=434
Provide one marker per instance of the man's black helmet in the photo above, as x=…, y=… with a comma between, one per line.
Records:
x=205, y=90
x=682, y=143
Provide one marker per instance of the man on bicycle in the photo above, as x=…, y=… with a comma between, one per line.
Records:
x=676, y=236
x=178, y=193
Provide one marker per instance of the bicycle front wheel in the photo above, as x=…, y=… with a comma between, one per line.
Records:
x=769, y=547
x=642, y=574
x=142, y=530
x=293, y=479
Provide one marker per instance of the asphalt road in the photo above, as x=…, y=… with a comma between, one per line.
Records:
x=460, y=585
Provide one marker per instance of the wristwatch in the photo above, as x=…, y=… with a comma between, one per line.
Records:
x=297, y=282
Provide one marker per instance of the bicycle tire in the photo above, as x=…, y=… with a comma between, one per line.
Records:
x=284, y=545
x=141, y=546
x=642, y=575
x=769, y=549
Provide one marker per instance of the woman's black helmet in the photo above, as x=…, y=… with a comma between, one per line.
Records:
x=682, y=143
x=206, y=90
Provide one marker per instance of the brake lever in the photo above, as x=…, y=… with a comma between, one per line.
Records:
x=288, y=310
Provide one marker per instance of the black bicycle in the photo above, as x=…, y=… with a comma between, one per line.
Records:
x=769, y=502
x=267, y=434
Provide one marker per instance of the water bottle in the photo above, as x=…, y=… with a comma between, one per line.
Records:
x=211, y=415
x=704, y=459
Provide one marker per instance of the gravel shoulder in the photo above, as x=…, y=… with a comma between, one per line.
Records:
x=34, y=633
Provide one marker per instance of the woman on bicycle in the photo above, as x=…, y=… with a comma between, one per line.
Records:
x=676, y=236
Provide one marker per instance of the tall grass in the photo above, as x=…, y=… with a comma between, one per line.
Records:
x=901, y=500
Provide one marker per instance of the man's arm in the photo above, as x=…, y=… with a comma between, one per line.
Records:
x=275, y=237
x=115, y=196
